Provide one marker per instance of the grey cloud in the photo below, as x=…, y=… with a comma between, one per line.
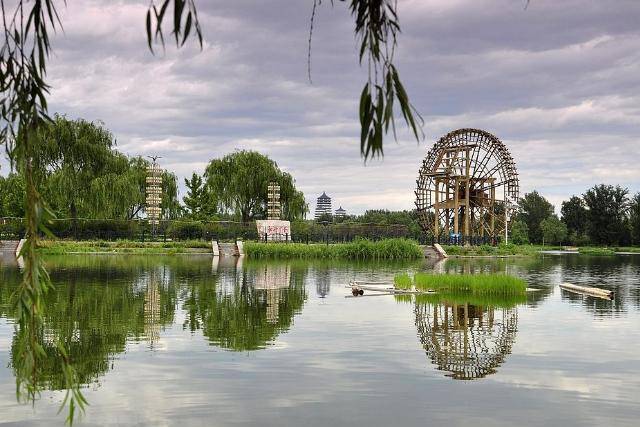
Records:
x=557, y=82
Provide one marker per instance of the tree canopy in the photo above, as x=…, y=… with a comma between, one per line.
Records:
x=238, y=183
x=554, y=231
x=533, y=208
x=574, y=215
x=12, y=196
x=607, y=213
x=634, y=218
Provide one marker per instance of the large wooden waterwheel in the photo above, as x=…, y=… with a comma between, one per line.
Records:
x=468, y=184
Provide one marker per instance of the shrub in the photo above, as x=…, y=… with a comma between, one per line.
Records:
x=186, y=230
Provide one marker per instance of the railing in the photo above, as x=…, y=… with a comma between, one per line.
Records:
x=462, y=240
x=141, y=230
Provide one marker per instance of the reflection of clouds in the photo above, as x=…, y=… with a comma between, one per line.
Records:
x=604, y=386
x=619, y=274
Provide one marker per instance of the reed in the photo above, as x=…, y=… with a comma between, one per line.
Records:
x=403, y=281
x=477, y=284
x=358, y=249
x=460, y=284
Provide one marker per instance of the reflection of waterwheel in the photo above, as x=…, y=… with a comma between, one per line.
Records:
x=466, y=181
x=467, y=341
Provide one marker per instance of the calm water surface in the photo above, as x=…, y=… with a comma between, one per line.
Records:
x=190, y=341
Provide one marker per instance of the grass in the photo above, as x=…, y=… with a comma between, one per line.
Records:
x=403, y=281
x=358, y=249
x=597, y=251
x=497, y=290
x=60, y=247
x=634, y=249
x=500, y=250
x=474, y=284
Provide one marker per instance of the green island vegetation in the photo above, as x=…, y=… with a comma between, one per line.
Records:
x=474, y=284
x=358, y=249
x=498, y=301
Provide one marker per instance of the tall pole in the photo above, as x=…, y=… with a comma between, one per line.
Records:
x=507, y=206
x=154, y=194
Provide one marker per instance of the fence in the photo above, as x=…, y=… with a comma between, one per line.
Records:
x=141, y=230
x=462, y=240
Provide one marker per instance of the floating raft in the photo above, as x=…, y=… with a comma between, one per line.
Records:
x=358, y=288
x=588, y=290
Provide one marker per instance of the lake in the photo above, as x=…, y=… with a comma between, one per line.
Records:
x=193, y=341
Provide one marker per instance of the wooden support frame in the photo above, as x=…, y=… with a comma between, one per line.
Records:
x=459, y=182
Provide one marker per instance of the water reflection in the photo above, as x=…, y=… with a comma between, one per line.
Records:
x=245, y=309
x=620, y=274
x=467, y=341
x=92, y=318
x=99, y=304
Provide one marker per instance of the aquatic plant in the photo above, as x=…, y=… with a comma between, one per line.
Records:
x=475, y=284
x=403, y=281
x=478, y=284
x=358, y=249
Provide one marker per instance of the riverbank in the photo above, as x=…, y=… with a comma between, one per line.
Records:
x=62, y=247
x=359, y=249
x=391, y=249
x=362, y=249
x=510, y=250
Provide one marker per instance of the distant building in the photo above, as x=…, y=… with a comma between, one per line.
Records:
x=340, y=213
x=323, y=206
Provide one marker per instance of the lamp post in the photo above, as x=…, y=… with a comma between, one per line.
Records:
x=508, y=207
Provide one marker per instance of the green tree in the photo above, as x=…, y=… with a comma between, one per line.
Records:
x=634, y=218
x=607, y=213
x=12, y=192
x=170, y=205
x=72, y=154
x=239, y=182
x=574, y=215
x=533, y=208
x=519, y=233
x=194, y=197
x=554, y=231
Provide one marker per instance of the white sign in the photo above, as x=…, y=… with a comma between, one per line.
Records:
x=275, y=230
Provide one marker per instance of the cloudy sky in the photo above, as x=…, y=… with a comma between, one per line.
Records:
x=558, y=82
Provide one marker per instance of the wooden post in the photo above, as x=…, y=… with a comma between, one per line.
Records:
x=456, y=206
x=493, y=210
x=467, y=208
x=437, y=211
x=448, y=211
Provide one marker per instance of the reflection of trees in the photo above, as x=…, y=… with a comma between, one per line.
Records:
x=621, y=274
x=93, y=311
x=245, y=310
x=465, y=340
